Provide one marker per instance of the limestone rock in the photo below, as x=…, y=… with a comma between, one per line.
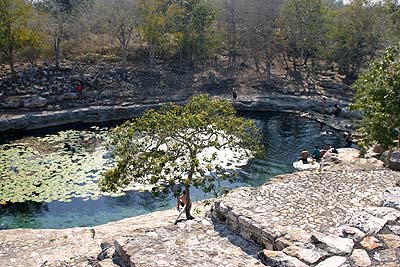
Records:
x=107, y=263
x=297, y=236
x=350, y=232
x=35, y=102
x=392, y=241
x=395, y=229
x=307, y=253
x=394, y=162
x=335, y=261
x=360, y=258
x=366, y=222
x=333, y=244
x=385, y=213
x=392, y=197
x=371, y=243
x=386, y=255
x=279, y=259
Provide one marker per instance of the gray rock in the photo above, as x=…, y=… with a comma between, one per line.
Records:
x=360, y=258
x=366, y=222
x=294, y=237
x=391, y=241
x=35, y=102
x=307, y=253
x=386, y=255
x=386, y=213
x=279, y=259
x=350, y=232
x=395, y=229
x=333, y=244
x=394, y=162
x=391, y=197
x=335, y=261
x=107, y=263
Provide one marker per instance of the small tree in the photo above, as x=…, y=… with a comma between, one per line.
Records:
x=167, y=148
x=120, y=21
x=15, y=32
x=378, y=96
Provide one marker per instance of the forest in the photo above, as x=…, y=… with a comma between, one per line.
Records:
x=298, y=37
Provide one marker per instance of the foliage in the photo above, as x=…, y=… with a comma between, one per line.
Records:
x=353, y=37
x=302, y=28
x=170, y=148
x=15, y=30
x=378, y=96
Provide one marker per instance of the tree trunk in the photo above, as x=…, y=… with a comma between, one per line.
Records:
x=124, y=57
x=57, y=50
x=187, y=194
x=12, y=62
x=268, y=79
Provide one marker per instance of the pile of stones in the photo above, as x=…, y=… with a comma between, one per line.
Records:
x=45, y=86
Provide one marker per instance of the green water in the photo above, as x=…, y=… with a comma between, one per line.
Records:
x=48, y=178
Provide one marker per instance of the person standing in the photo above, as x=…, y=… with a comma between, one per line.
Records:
x=234, y=94
x=323, y=105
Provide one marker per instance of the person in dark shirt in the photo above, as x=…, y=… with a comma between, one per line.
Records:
x=316, y=153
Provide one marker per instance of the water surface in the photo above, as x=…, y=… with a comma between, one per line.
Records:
x=48, y=178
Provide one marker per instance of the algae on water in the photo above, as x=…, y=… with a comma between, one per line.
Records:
x=59, y=167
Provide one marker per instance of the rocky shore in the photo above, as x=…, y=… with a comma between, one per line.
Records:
x=338, y=217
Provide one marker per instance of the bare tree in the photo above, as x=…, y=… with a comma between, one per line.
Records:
x=120, y=18
x=258, y=32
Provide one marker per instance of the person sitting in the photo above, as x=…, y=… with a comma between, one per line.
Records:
x=331, y=149
x=336, y=110
x=349, y=139
x=304, y=157
x=316, y=153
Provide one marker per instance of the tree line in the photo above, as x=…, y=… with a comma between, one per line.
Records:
x=303, y=36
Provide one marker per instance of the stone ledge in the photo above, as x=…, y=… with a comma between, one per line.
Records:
x=289, y=245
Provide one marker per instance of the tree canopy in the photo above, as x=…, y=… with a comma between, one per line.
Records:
x=378, y=97
x=15, y=33
x=168, y=148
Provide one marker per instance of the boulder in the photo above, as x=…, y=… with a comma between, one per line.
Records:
x=394, y=162
x=335, y=261
x=35, y=102
x=386, y=213
x=391, y=241
x=360, y=258
x=279, y=259
x=307, y=253
x=366, y=222
x=370, y=243
x=350, y=232
x=333, y=244
x=391, y=197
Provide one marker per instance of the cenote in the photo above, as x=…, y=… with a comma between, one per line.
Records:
x=48, y=177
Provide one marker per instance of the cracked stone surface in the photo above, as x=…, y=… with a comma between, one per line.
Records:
x=200, y=242
x=310, y=200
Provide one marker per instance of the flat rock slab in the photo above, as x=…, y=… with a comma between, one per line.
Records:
x=195, y=243
x=310, y=201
